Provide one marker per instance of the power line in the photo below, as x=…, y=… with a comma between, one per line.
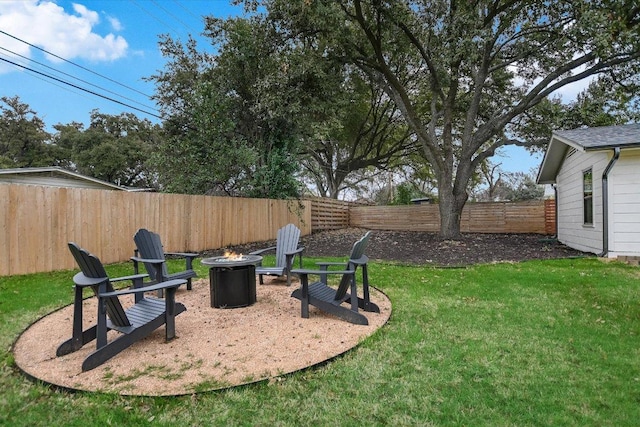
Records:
x=52, y=78
x=172, y=15
x=154, y=17
x=56, y=84
x=73, y=63
x=187, y=10
x=81, y=88
x=73, y=77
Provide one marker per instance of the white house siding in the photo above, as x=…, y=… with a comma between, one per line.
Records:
x=571, y=229
x=624, y=202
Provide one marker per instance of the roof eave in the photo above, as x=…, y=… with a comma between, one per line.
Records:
x=552, y=160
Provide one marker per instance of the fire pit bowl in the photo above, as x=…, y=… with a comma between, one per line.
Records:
x=232, y=280
x=239, y=261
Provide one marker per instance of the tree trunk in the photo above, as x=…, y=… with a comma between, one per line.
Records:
x=451, y=206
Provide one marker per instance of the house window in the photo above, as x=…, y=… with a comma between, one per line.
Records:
x=587, y=197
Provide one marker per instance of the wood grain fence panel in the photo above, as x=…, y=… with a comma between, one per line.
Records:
x=6, y=223
x=37, y=222
x=195, y=237
x=408, y=218
x=550, y=216
x=13, y=232
x=215, y=220
x=60, y=224
x=498, y=217
x=525, y=217
x=329, y=214
x=50, y=226
x=5, y=243
x=25, y=237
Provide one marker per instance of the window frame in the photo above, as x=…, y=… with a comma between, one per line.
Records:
x=587, y=197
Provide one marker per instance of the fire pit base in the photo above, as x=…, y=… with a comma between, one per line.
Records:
x=232, y=281
x=233, y=287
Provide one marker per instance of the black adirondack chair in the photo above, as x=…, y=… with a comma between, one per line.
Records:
x=135, y=323
x=286, y=250
x=150, y=252
x=330, y=299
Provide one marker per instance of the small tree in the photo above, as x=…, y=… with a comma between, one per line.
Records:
x=113, y=148
x=23, y=138
x=522, y=186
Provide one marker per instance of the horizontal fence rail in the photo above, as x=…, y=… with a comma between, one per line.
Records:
x=36, y=222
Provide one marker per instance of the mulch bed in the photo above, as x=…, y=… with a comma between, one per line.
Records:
x=424, y=248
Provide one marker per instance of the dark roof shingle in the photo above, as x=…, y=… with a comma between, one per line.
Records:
x=603, y=137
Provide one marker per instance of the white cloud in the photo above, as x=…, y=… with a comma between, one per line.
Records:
x=49, y=26
x=115, y=23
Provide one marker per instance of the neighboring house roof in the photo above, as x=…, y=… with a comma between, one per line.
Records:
x=54, y=176
x=585, y=139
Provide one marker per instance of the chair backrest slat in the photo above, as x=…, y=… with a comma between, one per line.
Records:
x=356, y=252
x=88, y=263
x=91, y=267
x=149, y=246
x=287, y=241
x=360, y=246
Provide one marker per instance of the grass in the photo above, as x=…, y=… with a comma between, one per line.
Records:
x=527, y=344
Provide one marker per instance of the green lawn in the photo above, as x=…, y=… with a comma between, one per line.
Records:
x=535, y=343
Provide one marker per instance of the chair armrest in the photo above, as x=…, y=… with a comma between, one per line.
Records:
x=261, y=251
x=183, y=254
x=297, y=251
x=81, y=280
x=325, y=265
x=162, y=285
x=360, y=261
x=321, y=272
x=133, y=277
x=188, y=258
x=146, y=260
x=156, y=263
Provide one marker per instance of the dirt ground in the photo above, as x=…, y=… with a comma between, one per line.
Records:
x=429, y=249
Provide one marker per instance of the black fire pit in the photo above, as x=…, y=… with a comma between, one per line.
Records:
x=232, y=280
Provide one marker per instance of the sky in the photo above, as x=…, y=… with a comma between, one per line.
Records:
x=108, y=47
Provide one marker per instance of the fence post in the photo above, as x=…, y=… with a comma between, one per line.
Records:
x=550, y=217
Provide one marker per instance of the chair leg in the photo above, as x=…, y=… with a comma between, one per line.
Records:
x=365, y=302
x=304, y=297
x=77, y=342
x=170, y=314
x=106, y=352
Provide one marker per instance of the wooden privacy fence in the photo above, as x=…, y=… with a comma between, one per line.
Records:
x=36, y=223
x=329, y=214
x=496, y=217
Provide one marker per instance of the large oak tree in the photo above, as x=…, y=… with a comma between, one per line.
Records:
x=469, y=76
